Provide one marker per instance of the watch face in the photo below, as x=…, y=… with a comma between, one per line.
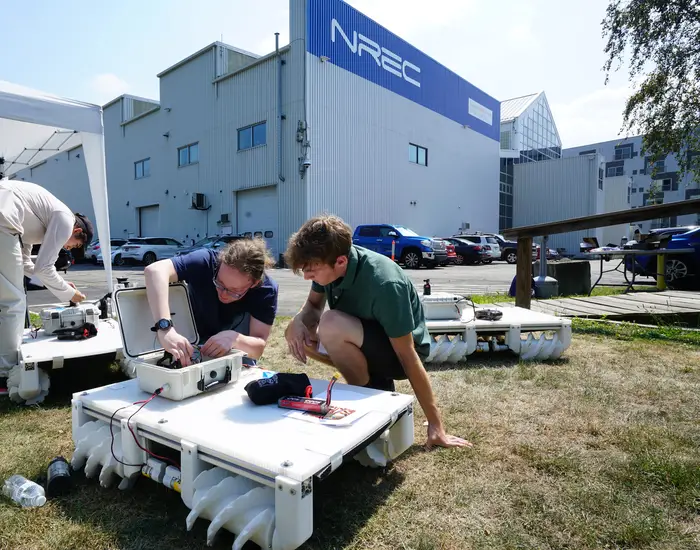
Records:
x=163, y=324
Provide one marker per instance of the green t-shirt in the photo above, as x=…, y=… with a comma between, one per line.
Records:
x=376, y=288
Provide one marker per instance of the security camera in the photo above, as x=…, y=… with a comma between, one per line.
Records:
x=306, y=163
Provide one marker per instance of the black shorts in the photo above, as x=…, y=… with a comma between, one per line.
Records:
x=382, y=361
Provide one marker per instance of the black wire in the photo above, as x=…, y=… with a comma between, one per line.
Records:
x=467, y=299
x=111, y=431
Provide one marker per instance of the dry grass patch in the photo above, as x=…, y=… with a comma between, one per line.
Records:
x=596, y=450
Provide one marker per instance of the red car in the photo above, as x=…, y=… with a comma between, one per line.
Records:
x=451, y=254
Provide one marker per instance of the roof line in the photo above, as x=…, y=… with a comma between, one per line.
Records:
x=204, y=50
x=521, y=97
x=130, y=96
x=258, y=61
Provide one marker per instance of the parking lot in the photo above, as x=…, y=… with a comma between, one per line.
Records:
x=479, y=279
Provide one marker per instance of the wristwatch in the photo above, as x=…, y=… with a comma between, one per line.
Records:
x=162, y=324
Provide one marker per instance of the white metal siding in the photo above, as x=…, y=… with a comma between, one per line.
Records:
x=555, y=190
x=256, y=212
x=149, y=221
x=615, y=190
x=360, y=134
x=639, y=181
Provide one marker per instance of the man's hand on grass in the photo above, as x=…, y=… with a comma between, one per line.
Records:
x=438, y=438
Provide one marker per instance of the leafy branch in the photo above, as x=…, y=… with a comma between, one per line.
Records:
x=662, y=39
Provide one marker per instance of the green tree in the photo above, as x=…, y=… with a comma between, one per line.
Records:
x=662, y=40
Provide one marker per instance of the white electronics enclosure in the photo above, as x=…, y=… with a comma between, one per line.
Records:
x=56, y=318
x=248, y=469
x=443, y=306
x=143, y=349
x=531, y=335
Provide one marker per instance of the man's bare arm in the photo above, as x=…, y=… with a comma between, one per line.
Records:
x=158, y=276
x=310, y=313
x=420, y=382
x=254, y=343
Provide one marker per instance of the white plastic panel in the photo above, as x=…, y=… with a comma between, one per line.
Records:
x=520, y=331
x=136, y=319
x=46, y=347
x=263, y=439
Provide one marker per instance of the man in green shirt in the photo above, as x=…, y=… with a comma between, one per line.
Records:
x=375, y=331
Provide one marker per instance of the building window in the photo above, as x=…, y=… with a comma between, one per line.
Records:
x=623, y=152
x=142, y=168
x=614, y=171
x=252, y=136
x=189, y=154
x=600, y=178
x=417, y=154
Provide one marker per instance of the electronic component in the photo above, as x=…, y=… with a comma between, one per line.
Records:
x=58, y=318
x=320, y=407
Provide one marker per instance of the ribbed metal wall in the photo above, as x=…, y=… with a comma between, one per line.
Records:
x=360, y=130
x=360, y=163
x=208, y=111
x=555, y=190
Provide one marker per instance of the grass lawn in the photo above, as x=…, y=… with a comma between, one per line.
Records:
x=597, y=291
x=596, y=450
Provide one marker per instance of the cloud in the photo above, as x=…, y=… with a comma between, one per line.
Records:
x=591, y=118
x=107, y=86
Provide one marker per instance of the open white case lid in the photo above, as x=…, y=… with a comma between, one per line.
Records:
x=136, y=319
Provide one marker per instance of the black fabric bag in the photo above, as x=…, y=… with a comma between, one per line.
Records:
x=83, y=332
x=266, y=391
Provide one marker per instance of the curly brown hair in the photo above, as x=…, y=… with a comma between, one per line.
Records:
x=249, y=256
x=321, y=239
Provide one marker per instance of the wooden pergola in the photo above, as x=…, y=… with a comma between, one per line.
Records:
x=525, y=234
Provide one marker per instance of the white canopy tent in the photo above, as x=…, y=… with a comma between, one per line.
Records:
x=35, y=126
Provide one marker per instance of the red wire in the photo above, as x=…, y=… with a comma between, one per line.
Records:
x=128, y=423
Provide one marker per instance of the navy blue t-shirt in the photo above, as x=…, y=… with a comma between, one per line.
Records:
x=210, y=314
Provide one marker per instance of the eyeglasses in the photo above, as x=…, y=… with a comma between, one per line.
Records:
x=235, y=295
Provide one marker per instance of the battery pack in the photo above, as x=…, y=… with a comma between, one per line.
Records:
x=314, y=406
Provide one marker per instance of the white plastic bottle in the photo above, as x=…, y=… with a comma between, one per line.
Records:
x=23, y=491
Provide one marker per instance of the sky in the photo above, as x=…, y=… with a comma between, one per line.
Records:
x=94, y=51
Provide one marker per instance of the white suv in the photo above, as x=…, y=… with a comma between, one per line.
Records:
x=150, y=249
x=489, y=244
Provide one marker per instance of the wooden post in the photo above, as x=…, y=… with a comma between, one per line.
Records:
x=661, y=272
x=523, y=273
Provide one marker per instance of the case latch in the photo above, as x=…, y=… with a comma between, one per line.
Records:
x=203, y=386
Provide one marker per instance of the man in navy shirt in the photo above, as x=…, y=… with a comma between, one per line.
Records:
x=233, y=300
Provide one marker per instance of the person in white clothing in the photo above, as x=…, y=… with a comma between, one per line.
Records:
x=30, y=215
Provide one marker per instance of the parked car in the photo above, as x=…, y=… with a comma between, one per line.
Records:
x=467, y=253
x=94, y=249
x=214, y=243
x=63, y=263
x=150, y=249
x=409, y=248
x=681, y=270
x=451, y=254
x=509, y=249
x=116, y=256
x=488, y=243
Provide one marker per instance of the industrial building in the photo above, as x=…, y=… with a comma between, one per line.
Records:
x=540, y=182
x=528, y=134
x=347, y=118
x=625, y=159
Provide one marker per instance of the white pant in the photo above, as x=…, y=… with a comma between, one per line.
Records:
x=12, y=301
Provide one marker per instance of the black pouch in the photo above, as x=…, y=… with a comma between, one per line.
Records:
x=266, y=391
x=83, y=332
